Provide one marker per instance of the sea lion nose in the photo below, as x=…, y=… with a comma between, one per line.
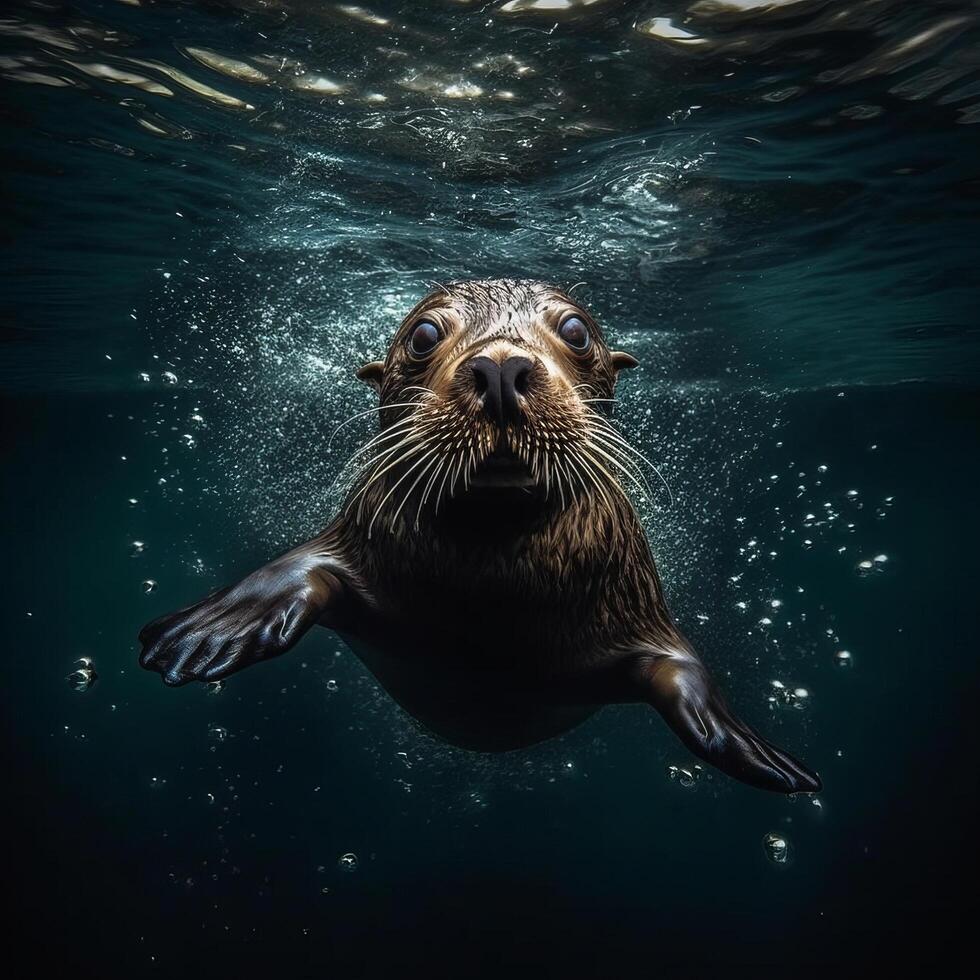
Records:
x=499, y=385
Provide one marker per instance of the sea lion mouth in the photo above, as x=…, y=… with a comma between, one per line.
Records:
x=502, y=469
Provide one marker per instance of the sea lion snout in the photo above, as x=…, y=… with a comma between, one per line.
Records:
x=501, y=385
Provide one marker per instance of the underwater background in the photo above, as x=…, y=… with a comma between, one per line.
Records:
x=215, y=211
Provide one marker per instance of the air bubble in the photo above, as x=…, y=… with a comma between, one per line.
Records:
x=148, y=586
x=796, y=697
x=83, y=676
x=843, y=658
x=332, y=686
x=871, y=566
x=777, y=849
x=687, y=778
x=347, y=862
x=169, y=378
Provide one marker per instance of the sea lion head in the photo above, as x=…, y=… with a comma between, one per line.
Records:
x=493, y=388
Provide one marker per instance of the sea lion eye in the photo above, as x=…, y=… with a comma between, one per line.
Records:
x=575, y=333
x=423, y=338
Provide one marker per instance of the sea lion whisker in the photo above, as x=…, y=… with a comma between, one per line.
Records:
x=592, y=465
x=395, y=431
x=428, y=488
x=587, y=471
x=618, y=451
x=414, y=447
x=388, y=432
x=456, y=471
x=605, y=427
x=362, y=466
x=442, y=485
x=408, y=493
x=394, y=487
x=385, y=454
x=422, y=389
x=559, y=480
x=579, y=475
x=370, y=411
x=643, y=486
x=611, y=479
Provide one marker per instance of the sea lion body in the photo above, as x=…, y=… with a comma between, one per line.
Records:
x=487, y=565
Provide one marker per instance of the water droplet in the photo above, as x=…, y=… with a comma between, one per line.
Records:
x=137, y=548
x=188, y=440
x=169, y=378
x=796, y=697
x=687, y=778
x=776, y=847
x=347, y=862
x=865, y=568
x=148, y=586
x=83, y=676
x=217, y=733
x=215, y=687
x=332, y=685
x=822, y=468
x=144, y=377
x=843, y=658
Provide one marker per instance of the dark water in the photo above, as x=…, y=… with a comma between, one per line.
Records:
x=773, y=204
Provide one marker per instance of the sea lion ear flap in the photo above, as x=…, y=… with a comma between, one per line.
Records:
x=621, y=360
x=371, y=374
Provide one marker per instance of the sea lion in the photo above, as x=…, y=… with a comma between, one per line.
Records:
x=487, y=565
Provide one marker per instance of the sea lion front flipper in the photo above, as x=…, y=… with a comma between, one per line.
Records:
x=261, y=617
x=679, y=686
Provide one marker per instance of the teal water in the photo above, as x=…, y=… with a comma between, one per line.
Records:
x=213, y=213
